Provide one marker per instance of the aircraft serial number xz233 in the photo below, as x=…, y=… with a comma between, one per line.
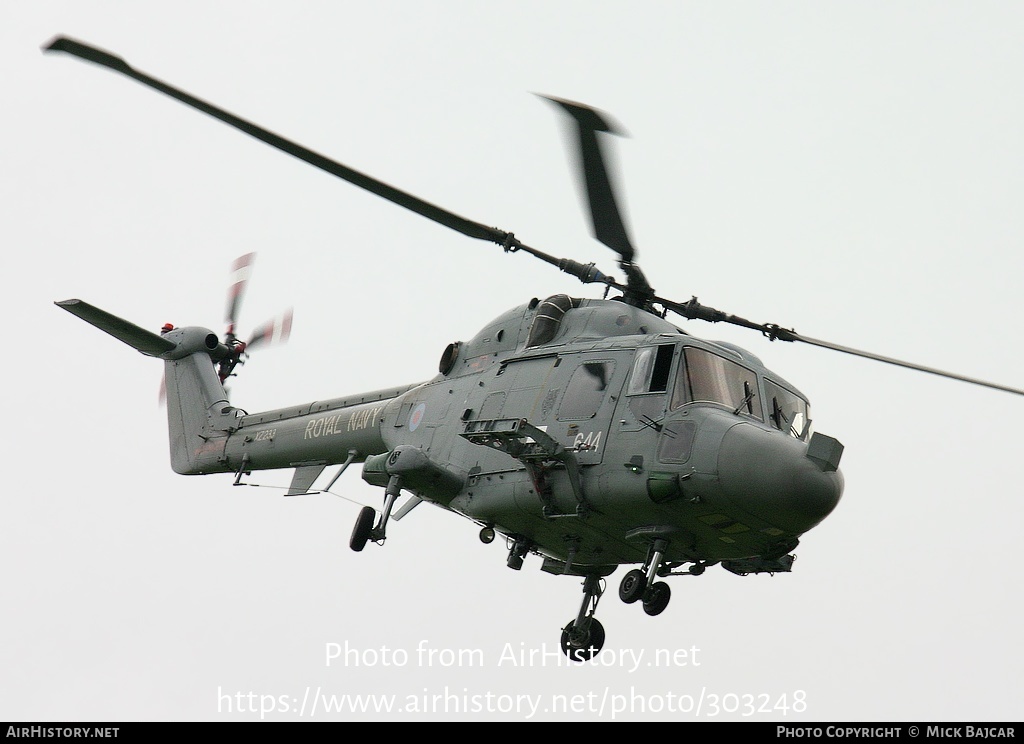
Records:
x=592, y=433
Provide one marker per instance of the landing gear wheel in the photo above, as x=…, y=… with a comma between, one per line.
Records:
x=633, y=585
x=363, y=528
x=656, y=598
x=582, y=644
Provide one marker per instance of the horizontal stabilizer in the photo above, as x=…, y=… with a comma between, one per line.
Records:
x=303, y=479
x=138, y=338
x=407, y=507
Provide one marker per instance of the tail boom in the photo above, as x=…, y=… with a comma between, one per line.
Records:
x=209, y=435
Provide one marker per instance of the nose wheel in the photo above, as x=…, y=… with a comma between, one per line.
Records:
x=583, y=637
x=582, y=642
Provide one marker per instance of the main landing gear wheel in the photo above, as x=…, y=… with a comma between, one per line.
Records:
x=363, y=528
x=640, y=584
x=656, y=598
x=633, y=585
x=582, y=641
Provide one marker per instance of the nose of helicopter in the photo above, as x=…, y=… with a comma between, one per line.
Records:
x=779, y=478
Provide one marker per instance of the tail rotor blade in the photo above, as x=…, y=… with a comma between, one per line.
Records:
x=276, y=331
x=241, y=270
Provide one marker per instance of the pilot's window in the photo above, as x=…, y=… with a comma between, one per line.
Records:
x=586, y=390
x=787, y=411
x=704, y=376
x=650, y=370
x=641, y=371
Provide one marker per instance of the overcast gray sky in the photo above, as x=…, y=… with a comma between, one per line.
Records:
x=853, y=170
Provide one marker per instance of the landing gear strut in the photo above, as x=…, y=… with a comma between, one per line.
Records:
x=583, y=637
x=364, y=529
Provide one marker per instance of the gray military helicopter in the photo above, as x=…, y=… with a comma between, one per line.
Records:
x=593, y=433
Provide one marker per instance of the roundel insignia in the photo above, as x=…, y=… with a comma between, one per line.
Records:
x=416, y=417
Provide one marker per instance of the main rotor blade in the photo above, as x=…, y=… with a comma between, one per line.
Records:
x=605, y=216
x=696, y=311
x=584, y=272
x=791, y=336
x=431, y=211
x=609, y=227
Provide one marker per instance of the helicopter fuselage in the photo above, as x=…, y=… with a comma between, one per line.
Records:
x=584, y=429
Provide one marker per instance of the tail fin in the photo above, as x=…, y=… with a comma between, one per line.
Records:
x=199, y=416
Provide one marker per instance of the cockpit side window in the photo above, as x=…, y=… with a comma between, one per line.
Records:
x=703, y=376
x=787, y=411
x=651, y=370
